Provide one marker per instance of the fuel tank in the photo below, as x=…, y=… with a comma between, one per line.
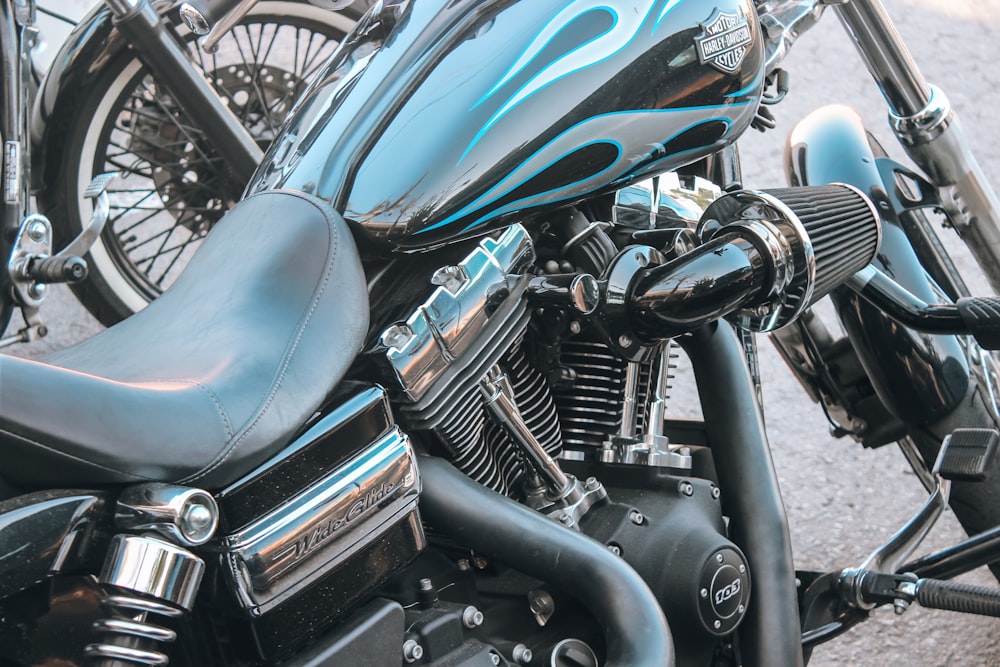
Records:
x=445, y=119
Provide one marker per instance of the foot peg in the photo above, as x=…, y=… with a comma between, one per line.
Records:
x=32, y=265
x=972, y=452
x=967, y=454
x=904, y=589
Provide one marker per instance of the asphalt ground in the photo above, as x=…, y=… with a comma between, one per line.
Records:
x=842, y=500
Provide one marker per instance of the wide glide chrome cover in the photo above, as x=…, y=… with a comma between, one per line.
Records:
x=442, y=119
x=289, y=548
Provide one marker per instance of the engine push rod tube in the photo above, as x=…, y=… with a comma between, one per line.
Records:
x=635, y=629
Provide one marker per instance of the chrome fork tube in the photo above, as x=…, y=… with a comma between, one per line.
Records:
x=930, y=131
x=886, y=56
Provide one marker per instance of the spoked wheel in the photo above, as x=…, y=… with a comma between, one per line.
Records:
x=174, y=186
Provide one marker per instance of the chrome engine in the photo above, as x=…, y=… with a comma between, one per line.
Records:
x=504, y=369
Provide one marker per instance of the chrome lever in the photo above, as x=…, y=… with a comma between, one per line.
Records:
x=891, y=555
x=97, y=191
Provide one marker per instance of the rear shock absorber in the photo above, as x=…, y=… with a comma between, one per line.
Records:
x=127, y=634
x=145, y=576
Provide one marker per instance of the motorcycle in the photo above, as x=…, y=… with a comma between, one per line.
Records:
x=423, y=413
x=119, y=97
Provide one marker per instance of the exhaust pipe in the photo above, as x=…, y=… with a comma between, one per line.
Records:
x=635, y=629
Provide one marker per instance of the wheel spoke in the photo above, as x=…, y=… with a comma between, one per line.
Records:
x=174, y=186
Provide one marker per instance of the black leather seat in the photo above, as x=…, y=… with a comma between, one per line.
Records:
x=210, y=379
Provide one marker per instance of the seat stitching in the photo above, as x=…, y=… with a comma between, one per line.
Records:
x=61, y=453
x=322, y=207
x=227, y=427
x=218, y=407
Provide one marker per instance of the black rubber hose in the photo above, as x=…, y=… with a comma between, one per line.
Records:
x=634, y=627
x=770, y=634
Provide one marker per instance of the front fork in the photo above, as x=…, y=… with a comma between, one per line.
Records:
x=929, y=130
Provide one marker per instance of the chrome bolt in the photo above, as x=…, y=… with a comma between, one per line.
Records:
x=574, y=327
x=565, y=519
x=452, y=278
x=624, y=341
x=703, y=592
x=591, y=484
x=717, y=624
x=197, y=522
x=472, y=617
x=397, y=336
x=464, y=565
x=900, y=606
x=522, y=654
x=540, y=602
x=686, y=488
x=719, y=558
x=480, y=563
x=37, y=290
x=636, y=517
x=743, y=569
x=615, y=549
x=37, y=230
x=495, y=658
x=741, y=609
x=412, y=650
x=716, y=492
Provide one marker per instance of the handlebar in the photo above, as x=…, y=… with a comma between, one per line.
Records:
x=975, y=316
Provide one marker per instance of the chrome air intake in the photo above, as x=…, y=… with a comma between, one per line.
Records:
x=765, y=257
x=818, y=236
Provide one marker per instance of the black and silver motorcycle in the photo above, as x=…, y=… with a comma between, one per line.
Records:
x=406, y=403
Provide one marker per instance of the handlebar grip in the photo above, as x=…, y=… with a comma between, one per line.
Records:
x=981, y=314
x=955, y=596
x=58, y=269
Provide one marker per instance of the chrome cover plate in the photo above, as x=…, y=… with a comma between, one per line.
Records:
x=447, y=324
x=664, y=201
x=287, y=549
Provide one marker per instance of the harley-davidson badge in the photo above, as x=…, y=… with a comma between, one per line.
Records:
x=724, y=40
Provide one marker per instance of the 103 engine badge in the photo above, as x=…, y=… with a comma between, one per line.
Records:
x=724, y=40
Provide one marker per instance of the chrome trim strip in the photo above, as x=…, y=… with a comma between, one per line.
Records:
x=290, y=547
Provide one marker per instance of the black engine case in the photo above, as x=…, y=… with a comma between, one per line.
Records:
x=671, y=530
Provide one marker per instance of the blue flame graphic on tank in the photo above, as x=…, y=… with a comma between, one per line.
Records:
x=444, y=119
